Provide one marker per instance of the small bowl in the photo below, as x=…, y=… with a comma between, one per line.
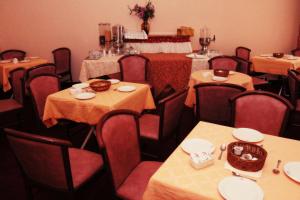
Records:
x=278, y=55
x=221, y=72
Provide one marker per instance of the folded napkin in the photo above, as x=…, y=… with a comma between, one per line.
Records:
x=140, y=35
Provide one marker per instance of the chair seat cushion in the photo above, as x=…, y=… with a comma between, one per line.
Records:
x=149, y=126
x=134, y=186
x=84, y=164
x=9, y=105
x=259, y=81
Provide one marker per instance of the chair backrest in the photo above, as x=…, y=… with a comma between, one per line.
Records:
x=223, y=62
x=16, y=77
x=12, y=53
x=62, y=60
x=119, y=132
x=170, y=111
x=296, y=52
x=42, y=159
x=40, y=86
x=244, y=65
x=294, y=85
x=264, y=111
x=134, y=68
x=212, y=101
x=243, y=52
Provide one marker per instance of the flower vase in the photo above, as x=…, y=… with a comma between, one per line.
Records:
x=145, y=26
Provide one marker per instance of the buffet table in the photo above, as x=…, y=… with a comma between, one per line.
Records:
x=161, y=44
x=176, y=179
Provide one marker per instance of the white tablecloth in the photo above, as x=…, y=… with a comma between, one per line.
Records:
x=162, y=47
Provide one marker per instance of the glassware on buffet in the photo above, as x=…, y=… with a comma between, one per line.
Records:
x=205, y=39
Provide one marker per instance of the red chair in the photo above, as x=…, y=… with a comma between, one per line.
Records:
x=134, y=68
x=12, y=53
x=223, y=62
x=119, y=132
x=62, y=60
x=296, y=52
x=243, y=52
x=244, y=67
x=264, y=111
x=52, y=163
x=159, y=127
x=212, y=101
x=13, y=105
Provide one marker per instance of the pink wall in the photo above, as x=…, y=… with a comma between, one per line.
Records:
x=38, y=27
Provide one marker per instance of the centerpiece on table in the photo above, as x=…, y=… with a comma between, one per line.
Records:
x=145, y=13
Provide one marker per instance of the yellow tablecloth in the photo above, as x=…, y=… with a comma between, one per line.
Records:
x=205, y=76
x=271, y=65
x=176, y=179
x=5, y=68
x=63, y=105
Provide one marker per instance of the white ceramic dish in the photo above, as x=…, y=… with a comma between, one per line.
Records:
x=114, y=81
x=247, y=135
x=219, y=78
x=84, y=95
x=126, y=88
x=197, y=145
x=237, y=188
x=292, y=170
x=5, y=61
x=25, y=61
x=80, y=85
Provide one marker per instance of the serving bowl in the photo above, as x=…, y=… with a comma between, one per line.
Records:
x=278, y=55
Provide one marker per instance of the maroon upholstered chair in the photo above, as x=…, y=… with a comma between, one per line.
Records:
x=51, y=162
x=13, y=105
x=243, y=52
x=212, y=101
x=244, y=67
x=223, y=62
x=119, y=132
x=294, y=86
x=134, y=68
x=264, y=111
x=296, y=52
x=62, y=60
x=12, y=53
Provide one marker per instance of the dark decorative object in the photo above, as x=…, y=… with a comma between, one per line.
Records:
x=278, y=55
x=145, y=13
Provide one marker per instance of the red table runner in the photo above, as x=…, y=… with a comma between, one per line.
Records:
x=168, y=68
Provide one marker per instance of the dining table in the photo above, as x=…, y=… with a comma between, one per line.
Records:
x=8, y=65
x=266, y=63
x=64, y=105
x=177, y=179
x=206, y=76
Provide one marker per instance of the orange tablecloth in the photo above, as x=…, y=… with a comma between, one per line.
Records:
x=169, y=68
x=5, y=68
x=176, y=179
x=63, y=105
x=271, y=65
x=205, y=76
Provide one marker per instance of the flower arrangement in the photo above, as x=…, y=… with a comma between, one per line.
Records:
x=143, y=12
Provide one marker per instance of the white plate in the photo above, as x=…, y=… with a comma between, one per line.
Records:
x=219, y=78
x=238, y=188
x=80, y=85
x=197, y=145
x=291, y=58
x=25, y=61
x=292, y=170
x=114, y=81
x=196, y=56
x=248, y=135
x=33, y=57
x=84, y=95
x=5, y=61
x=126, y=88
x=266, y=55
